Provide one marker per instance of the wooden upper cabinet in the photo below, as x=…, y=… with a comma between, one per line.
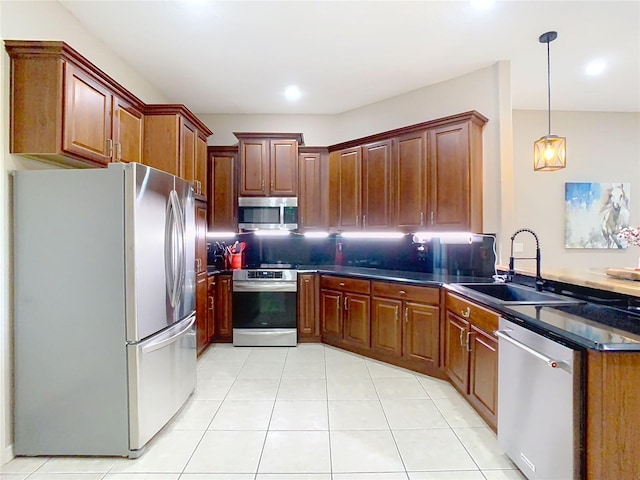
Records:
x=410, y=180
x=426, y=176
x=377, y=186
x=128, y=131
x=87, y=117
x=65, y=110
x=175, y=142
x=345, y=202
x=312, y=189
x=455, y=172
x=268, y=164
x=222, y=205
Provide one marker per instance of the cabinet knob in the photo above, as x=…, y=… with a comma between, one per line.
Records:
x=466, y=313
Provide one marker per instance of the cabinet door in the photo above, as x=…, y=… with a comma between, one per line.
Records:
x=283, y=168
x=308, y=318
x=311, y=197
x=410, y=181
x=386, y=326
x=483, y=386
x=331, y=314
x=127, y=132
x=201, y=237
x=202, y=313
x=223, y=306
x=254, y=168
x=422, y=332
x=188, y=136
x=201, y=165
x=450, y=182
x=357, y=320
x=376, y=186
x=87, y=117
x=211, y=319
x=222, y=192
x=345, y=188
x=162, y=142
x=456, y=358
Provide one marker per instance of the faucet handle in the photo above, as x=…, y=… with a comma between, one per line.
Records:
x=500, y=278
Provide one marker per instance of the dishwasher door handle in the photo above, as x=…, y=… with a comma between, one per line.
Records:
x=548, y=360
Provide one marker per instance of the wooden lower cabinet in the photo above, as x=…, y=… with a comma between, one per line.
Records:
x=405, y=325
x=308, y=308
x=211, y=297
x=202, y=313
x=471, y=354
x=223, y=327
x=345, y=312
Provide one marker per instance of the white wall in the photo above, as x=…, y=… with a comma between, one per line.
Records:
x=39, y=21
x=601, y=147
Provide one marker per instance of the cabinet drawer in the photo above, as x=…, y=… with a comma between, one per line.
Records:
x=402, y=291
x=345, y=284
x=485, y=319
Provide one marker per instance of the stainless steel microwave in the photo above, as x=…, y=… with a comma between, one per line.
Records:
x=267, y=213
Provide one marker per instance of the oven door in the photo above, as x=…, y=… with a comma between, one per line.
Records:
x=264, y=305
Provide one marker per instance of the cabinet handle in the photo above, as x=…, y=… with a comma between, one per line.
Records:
x=210, y=303
x=346, y=303
x=406, y=314
x=364, y=221
x=466, y=313
x=271, y=184
x=109, y=147
x=118, y=151
x=432, y=218
x=357, y=220
x=402, y=292
x=338, y=308
x=461, y=341
x=468, y=342
x=341, y=284
x=262, y=185
x=422, y=219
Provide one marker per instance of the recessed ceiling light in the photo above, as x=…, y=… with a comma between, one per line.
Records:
x=292, y=93
x=595, y=67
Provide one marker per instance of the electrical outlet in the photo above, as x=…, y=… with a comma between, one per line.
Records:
x=518, y=247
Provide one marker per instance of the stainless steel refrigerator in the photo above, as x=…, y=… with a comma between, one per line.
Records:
x=104, y=291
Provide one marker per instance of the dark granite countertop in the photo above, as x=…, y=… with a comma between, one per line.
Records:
x=418, y=278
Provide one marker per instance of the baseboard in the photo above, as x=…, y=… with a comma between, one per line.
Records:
x=6, y=455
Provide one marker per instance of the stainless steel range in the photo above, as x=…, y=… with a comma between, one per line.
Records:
x=265, y=307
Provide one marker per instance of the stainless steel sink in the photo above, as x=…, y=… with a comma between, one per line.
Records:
x=514, y=294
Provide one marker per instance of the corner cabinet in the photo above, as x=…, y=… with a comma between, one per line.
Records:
x=268, y=164
x=221, y=185
x=176, y=142
x=471, y=354
x=63, y=109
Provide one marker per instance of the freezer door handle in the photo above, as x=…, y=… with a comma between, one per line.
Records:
x=553, y=363
x=161, y=343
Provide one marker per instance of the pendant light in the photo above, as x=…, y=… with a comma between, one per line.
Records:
x=549, y=152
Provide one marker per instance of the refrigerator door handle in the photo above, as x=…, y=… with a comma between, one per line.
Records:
x=158, y=344
x=173, y=247
x=182, y=254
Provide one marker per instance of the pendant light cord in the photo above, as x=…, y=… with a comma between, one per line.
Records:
x=549, y=86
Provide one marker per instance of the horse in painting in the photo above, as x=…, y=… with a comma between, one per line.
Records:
x=615, y=214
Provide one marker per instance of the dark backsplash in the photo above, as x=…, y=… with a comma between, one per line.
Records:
x=474, y=259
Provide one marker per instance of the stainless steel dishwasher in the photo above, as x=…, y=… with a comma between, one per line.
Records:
x=539, y=404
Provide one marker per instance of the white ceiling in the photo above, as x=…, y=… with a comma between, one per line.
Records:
x=239, y=56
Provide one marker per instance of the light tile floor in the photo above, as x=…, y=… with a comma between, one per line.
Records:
x=312, y=412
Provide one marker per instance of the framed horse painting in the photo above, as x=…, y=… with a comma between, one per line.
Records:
x=595, y=213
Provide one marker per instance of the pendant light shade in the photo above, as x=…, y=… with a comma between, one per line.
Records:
x=549, y=152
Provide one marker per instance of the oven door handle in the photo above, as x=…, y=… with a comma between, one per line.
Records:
x=265, y=286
